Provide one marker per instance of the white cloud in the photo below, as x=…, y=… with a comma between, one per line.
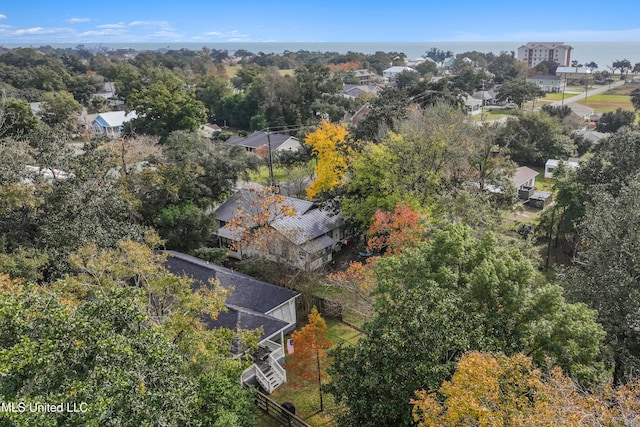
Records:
x=233, y=35
x=149, y=24
x=3, y=16
x=118, y=25
x=77, y=20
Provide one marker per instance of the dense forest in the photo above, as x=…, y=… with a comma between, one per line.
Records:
x=457, y=305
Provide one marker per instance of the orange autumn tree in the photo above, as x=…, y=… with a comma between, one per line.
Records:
x=357, y=282
x=328, y=145
x=310, y=351
x=500, y=391
x=394, y=231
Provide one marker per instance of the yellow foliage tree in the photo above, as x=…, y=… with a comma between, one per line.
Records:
x=328, y=145
x=500, y=391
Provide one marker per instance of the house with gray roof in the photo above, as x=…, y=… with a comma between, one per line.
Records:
x=365, y=76
x=305, y=240
x=251, y=305
x=256, y=140
x=356, y=91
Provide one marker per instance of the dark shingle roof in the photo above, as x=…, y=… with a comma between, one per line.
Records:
x=249, y=293
x=238, y=317
x=258, y=139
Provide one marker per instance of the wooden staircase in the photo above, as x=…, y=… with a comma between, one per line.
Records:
x=270, y=375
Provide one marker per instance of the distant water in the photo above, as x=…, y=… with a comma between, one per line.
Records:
x=602, y=53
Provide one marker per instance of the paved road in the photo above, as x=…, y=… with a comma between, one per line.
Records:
x=579, y=109
x=585, y=95
x=582, y=110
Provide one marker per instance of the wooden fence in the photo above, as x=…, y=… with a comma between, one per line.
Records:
x=277, y=412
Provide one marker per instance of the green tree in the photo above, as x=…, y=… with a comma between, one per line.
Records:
x=635, y=99
x=386, y=110
x=613, y=120
x=185, y=227
x=94, y=354
x=407, y=79
x=623, y=65
x=519, y=92
x=605, y=272
x=211, y=91
x=453, y=294
x=535, y=137
x=59, y=108
x=16, y=118
x=166, y=105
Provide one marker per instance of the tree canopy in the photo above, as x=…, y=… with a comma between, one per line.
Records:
x=481, y=296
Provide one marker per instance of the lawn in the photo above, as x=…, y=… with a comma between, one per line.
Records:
x=304, y=395
x=606, y=102
x=490, y=115
x=558, y=96
x=262, y=175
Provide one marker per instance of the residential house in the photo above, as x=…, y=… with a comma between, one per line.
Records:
x=534, y=53
x=551, y=164
x=524, y=181
x=210, y=130
x=264, y=140
x=488, y=97
x=251, y=305
x=111, y=123
x=472, y=105
x=549, y=84
x=365, y=77
x=306, y=240
x=354, y=117
x=391, y=73
x=574, y=74
x=356, y=91
x=592, y=135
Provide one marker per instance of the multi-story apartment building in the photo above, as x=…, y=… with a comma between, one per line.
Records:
x=534, y=53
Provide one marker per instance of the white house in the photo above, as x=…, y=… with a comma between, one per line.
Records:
x=392, y=72
x=549, y=84
x=551, y=164
x=472, y=105
x=111, y=123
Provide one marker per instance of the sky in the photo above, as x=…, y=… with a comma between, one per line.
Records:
x=213, y=21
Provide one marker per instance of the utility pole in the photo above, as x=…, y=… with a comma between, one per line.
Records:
x=271, y=180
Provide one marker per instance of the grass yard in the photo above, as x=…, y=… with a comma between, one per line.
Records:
x=304, y=395
x=492, y=115
x=262, y=175
x=558, y=96
x=605, y=103
x=618, y=97
x=624, y=89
